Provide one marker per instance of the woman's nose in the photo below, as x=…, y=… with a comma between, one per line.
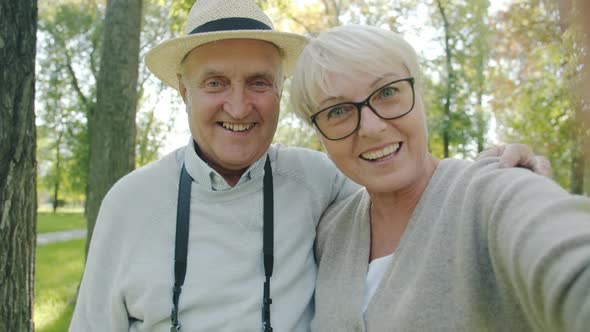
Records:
x=370, y=123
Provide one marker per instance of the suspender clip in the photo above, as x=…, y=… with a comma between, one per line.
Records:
x=266, y=327
x=174, y=317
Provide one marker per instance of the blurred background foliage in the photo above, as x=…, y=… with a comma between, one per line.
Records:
x=493, y=73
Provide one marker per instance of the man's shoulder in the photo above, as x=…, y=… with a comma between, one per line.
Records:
x=153, y=177
x=311, y=167
x=285, y=151
x=295, y=159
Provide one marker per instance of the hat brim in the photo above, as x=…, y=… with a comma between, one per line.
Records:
x=164, y=59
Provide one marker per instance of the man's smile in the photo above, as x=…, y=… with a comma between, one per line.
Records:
x=237, y=127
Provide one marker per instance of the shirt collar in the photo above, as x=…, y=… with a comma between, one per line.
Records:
x=207, y=177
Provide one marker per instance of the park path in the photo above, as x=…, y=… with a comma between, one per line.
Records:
x=60, y=236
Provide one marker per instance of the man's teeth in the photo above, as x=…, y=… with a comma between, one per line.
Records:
x=237, y=126
x=380, y=153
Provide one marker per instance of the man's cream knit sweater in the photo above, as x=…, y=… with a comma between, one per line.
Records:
x=127, y=283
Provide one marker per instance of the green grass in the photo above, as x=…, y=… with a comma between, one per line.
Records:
x=60, y=221
x=59, y=268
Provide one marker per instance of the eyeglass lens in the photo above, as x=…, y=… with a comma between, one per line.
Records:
x=390, y=101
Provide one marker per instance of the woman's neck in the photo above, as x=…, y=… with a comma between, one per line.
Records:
x=385, y=205
x=391, y=211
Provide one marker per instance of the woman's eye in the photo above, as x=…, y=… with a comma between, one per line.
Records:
x=388, y=92
x=337, y=112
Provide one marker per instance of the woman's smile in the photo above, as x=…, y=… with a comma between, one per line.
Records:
x=382, y=153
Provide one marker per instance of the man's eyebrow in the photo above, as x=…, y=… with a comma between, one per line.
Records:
x=210, y=72
x=263, y=74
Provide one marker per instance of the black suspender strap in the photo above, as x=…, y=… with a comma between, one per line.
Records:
x=181, y=244
x=267, y=244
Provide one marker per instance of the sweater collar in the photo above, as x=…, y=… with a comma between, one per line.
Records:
x=210, y=179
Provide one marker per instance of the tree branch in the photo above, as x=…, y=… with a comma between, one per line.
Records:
x=74, y=81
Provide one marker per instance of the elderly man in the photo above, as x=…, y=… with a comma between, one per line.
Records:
x=252, y=208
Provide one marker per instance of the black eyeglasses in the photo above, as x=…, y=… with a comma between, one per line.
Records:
x=391, y=101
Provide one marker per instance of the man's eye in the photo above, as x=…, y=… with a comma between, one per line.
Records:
x=260, y=85
x=214, y=84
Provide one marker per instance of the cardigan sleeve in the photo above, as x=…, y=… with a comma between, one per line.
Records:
x=539, y=243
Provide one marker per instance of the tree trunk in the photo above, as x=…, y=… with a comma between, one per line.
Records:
x=482, y=51
x=112, y=140
x=481, y=126
x=583, y=89
x=578, y=133
x=446, y=127
x=57, y=181
x=18, y=200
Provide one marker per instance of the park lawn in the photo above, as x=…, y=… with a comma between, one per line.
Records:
x=48, y=222
x=59, y=268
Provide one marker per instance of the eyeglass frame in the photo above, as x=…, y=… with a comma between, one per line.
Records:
x=359, y=106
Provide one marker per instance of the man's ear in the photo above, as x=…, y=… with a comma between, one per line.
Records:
x=182, y=88
x=281, y=86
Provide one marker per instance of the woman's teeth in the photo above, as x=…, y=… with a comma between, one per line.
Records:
x=237, y=126
x=381, y=153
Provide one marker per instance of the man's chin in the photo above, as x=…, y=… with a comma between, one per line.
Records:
x=232, y=162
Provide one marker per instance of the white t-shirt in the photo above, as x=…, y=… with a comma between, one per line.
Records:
x=377, y=269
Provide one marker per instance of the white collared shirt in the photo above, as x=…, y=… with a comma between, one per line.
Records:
x=207, y=176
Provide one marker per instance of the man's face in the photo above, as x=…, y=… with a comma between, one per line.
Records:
x=232, y=99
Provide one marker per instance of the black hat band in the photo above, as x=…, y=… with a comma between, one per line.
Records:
x=231, y=23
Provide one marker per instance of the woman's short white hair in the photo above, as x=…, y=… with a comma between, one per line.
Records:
x=346, y=50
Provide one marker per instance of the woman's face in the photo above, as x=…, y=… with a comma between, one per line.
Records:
x=382, y=155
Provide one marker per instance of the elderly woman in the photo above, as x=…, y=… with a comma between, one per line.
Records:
x=429, y=244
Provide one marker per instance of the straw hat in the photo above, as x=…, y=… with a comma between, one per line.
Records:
x=211, y=20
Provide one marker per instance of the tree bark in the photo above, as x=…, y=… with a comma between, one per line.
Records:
x=112, y=134
x=446, y=127
x=579, y=132
x=18, y=201
x=482, y=51
x=579, y=135
x=57, y=181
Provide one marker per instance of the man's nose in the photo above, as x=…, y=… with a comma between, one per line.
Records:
x=237, y=103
